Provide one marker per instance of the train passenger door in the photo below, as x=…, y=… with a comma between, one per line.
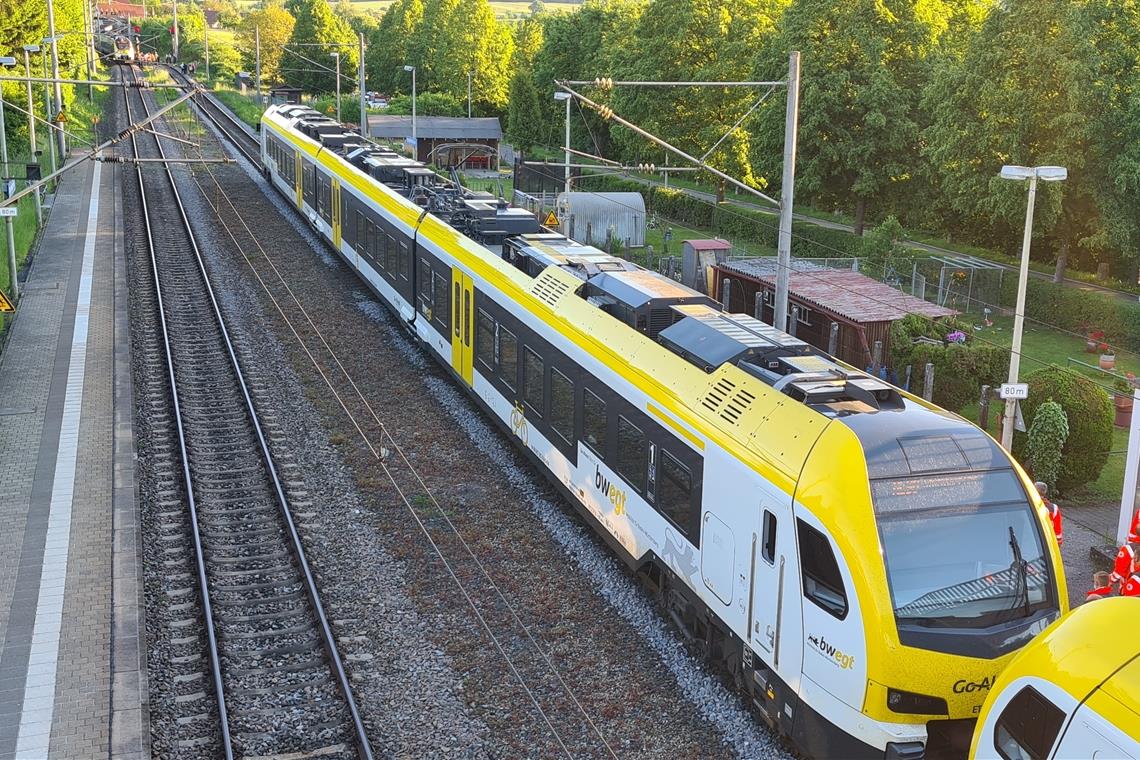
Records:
x=336, y=213
x=462, y=325
x=298, y=173
x=773, y=567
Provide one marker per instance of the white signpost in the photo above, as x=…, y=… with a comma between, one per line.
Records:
x=1017, y=391
x=8, y=211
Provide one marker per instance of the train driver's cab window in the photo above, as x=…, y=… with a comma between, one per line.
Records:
x=594, y=422
x=1027, y=727
x=822, y=581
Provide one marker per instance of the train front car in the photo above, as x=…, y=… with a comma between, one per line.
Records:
x=953, y=569
x=124, y=49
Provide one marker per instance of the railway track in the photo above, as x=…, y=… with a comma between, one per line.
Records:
x=251, y=664
x=561, y=721
x=235, y=131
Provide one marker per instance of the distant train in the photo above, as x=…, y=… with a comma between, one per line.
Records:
x=124, y=51
x=1073, y=692
x=862, y=562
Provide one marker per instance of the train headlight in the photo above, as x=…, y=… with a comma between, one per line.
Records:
x=915, y=704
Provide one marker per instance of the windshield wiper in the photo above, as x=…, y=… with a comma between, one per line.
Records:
x=1022, y=576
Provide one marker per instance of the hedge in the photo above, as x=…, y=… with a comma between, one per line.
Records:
x=1089, y=412
x=730, y=221
x=960, y=370
x=1078, y=311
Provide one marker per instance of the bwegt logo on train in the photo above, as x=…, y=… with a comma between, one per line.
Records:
x=616, y=495
x=844, y=661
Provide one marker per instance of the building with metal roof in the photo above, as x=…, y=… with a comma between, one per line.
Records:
x=445, y=140
x=857, y=308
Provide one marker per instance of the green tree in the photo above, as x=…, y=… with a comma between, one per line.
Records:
x=274, y=25
x=387, y=52
x=1089, y=413
x=1026, y=92
x=1045, y=441
x=458, y=36
x=524, y=114
x=864, y=63
x=428, y=104
x=583, y=44
x=885, y=256
x=693, y=40
x=308, y=57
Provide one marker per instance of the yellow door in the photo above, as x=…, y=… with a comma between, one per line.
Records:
x=336, y=213
x=298, y=167
x=462, y=325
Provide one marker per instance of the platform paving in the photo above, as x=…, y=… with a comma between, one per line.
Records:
x=72, y=677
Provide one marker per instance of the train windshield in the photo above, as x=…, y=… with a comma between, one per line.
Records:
x=962, y=550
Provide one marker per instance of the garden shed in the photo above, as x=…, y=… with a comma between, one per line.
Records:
x=861, y=307
x=595, y=218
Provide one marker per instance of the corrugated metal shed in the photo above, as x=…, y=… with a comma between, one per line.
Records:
x=435, y=127
x=589, y=217
x=848, y=294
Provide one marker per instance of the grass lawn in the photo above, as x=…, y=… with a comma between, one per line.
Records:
x=1043, y=346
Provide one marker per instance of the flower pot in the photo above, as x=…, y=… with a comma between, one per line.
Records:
x=1107, y=361
x=1123, y=410
x=1090, y=346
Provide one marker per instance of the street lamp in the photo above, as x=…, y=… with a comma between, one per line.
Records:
x=9, y=230
x=1020, y=173
x=337, y=57
x=415, y=145
x=469, y=75
x=566, y=169
x=28, y=49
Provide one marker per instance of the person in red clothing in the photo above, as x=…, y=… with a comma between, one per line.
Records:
x=1131, y=586
x=1054, y=511
x=1125, y=572
x=1134, y=531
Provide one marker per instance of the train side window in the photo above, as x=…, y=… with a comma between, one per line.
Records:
x=425, y=288
x=405, y=260
x=485, y=340
x=594, y=422
x=390, y=254
x=562, y=405
x=1028, y=726
x=823, y=584
x=508, y=357
x=441, y=309
x=375, y=243
x=631, y=459
x=533, y=371
x=674, y=490
x=768, y=547
x=360, y=241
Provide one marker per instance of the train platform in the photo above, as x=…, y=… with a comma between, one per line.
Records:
x=72, y=640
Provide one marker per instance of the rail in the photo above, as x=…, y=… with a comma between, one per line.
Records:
x=327, y=640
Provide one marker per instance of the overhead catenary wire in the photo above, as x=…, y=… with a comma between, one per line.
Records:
x=845, y=254
x=378, y=455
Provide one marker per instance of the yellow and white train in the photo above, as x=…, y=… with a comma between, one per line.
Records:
x=862, y=562
x=1073, y=693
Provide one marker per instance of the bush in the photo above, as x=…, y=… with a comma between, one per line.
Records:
x=960, y=370
x=1045, y=441
x=1089, y=412
x=1078, y=311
